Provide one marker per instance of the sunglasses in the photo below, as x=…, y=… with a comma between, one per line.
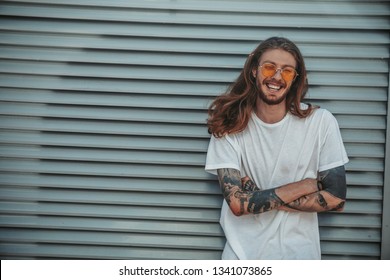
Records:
x=269, y=70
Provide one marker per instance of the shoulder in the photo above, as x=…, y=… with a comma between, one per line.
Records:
x=319, y=118
x=323, y=113
x=225, y=140
x=319, y=114
x=324, y=120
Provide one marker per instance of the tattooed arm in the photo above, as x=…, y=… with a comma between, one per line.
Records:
x=243, y=197
x=331, y=197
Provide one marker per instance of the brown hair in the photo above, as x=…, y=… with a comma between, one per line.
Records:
x=230, y=112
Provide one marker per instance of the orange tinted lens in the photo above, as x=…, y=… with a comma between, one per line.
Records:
x=288, y=74
x=268, y=69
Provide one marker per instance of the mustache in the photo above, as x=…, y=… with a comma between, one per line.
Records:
x=274, y=81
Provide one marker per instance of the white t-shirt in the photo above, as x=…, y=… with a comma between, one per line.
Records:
x=273, y=155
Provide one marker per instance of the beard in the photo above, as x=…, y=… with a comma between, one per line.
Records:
x=271, y=101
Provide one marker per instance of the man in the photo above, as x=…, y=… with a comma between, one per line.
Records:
x=279, y=161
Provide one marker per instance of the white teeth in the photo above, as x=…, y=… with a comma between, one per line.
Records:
x=274, y=87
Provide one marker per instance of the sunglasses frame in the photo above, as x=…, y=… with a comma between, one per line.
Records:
x=281, y=71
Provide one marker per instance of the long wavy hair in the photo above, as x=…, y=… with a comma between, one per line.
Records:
x=230, y=112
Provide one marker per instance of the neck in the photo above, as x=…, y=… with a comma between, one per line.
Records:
x=270, y=113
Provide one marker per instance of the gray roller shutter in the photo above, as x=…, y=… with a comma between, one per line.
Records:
x=103, y=108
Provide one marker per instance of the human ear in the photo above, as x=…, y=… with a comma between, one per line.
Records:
x=254, y=73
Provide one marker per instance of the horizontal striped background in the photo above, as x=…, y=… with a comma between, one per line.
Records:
x=103, y=109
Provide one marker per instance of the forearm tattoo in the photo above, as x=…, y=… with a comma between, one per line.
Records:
x=331, y=196
x=249, y=185
x=247, y=197
x=263, y=201
x=321, y=201
x=334, y=181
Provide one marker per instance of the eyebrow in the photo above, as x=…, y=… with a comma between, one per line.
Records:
x=283, y=66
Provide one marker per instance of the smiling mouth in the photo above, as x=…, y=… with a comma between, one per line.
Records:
x=274, y=87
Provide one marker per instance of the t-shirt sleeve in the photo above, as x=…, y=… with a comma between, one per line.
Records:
x=222, y=153
x=332, y=153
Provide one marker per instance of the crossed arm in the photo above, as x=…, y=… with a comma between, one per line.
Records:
x=310, y=195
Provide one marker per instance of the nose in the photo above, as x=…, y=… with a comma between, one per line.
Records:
x=278, y=73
